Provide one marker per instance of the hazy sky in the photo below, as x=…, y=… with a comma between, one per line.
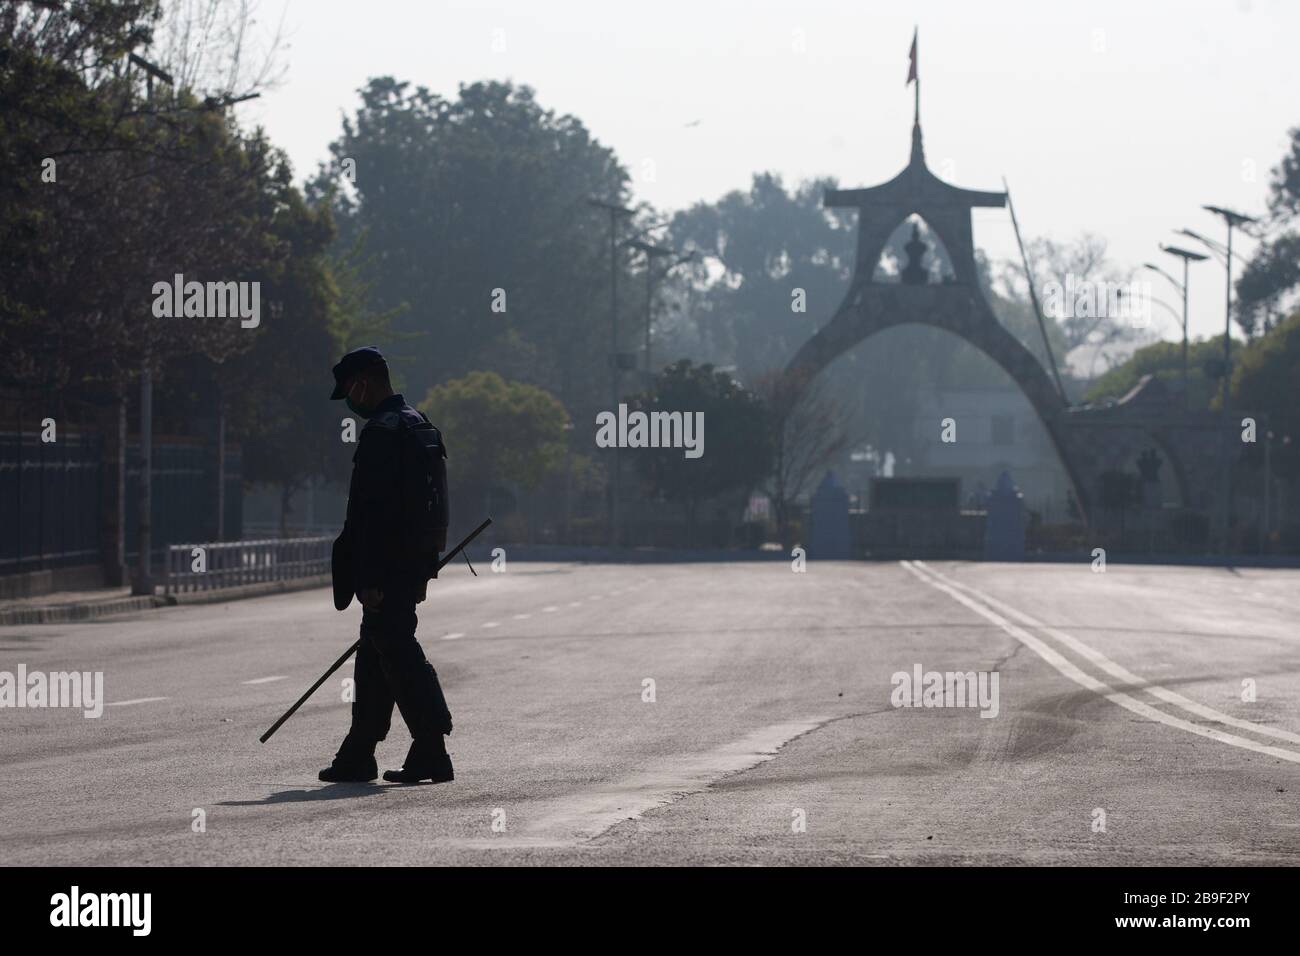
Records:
x=1118, y=117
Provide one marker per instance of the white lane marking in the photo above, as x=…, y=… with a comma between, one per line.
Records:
x=1118, y=670
x=522, y=617
x=550, y=607
x=575, y=818
x=575, y=604
x=453, y=635
x=492, y=624
x=1127, y=701
x=265, y=680
x=138, y=700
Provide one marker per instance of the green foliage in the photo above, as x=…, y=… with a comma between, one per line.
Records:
x=1165, y=361
x=352, y=323
x=1266, y=381
x=737, y=437
x=1264, y=285
x=1267, y=286
x=145, y=187
x=276, y=390
x=769, y=241
x=139, y=195
x=455, y=198
x=497, y=432
x=60, y=100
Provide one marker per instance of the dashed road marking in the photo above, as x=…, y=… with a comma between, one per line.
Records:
x=550, y=607
x=453, y=635
x=492, y=624
x=522, y=617
x=265, y=680
x=138, y=700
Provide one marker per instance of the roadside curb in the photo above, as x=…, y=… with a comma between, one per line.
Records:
x=68, y=613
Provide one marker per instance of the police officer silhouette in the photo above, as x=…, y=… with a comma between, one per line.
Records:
x=395, y=527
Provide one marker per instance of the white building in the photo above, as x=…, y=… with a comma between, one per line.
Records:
x=991, y=430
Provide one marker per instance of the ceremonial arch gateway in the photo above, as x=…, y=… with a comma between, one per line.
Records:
x=1090, y=441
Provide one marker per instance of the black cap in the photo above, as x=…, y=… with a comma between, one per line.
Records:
x=350, y=365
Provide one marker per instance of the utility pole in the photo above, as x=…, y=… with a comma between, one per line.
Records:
x=1232, y=219
x=1188, y=257
x=221, y=467
x=616, y=212
x=144, y=519
x=568, y=483
x=1268, y=474
x=653, y=252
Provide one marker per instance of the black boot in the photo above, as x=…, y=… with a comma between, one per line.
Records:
x=423, y=762
x=354, y=763
x=350, y=771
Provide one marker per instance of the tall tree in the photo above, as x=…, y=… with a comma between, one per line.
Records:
x=473, y=212
x=1091, y=339
x=497, y=432
x=737, y=439
x=1266, y=379
x=1266, y=289
x=108, y=191
x=773, y=265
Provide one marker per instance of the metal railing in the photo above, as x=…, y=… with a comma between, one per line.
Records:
x=229, y=564
x=272, y=529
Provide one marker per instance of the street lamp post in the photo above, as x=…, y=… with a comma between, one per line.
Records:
x=616, y=212
x=653, y=252
x=1232, y=220
x=1187, y=256
x=1182, y=290
x=568, y=482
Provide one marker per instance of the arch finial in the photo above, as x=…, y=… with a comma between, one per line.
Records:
x=914, y=78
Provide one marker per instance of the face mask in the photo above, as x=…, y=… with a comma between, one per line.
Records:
x=355, y=407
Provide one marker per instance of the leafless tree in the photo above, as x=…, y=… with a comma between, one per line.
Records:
x=1100, y=337
x=807, y=434
x=219, y=47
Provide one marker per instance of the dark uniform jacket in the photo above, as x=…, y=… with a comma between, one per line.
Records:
x=374, y=550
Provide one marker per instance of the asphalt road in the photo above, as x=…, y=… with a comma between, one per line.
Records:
x=771, y=738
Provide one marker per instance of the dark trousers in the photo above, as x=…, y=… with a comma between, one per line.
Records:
x=391, y=669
